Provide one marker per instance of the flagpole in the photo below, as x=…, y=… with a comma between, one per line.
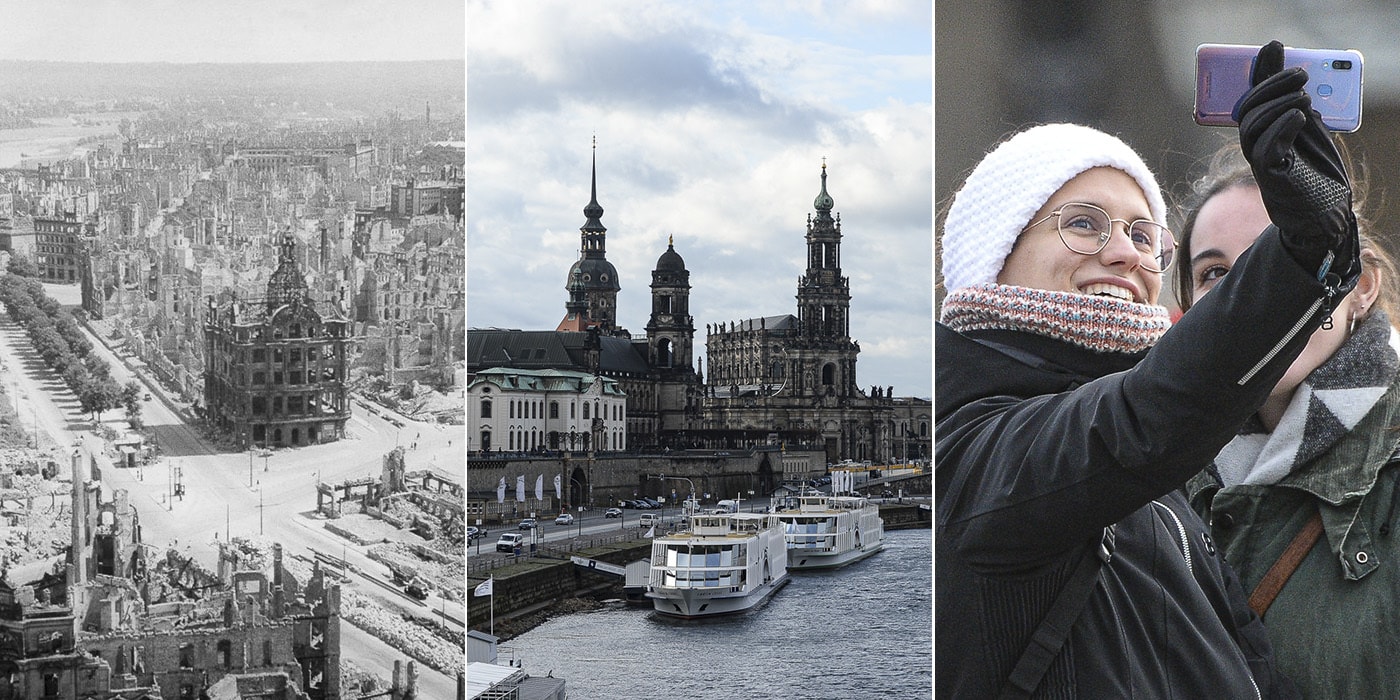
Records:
x=493, y=610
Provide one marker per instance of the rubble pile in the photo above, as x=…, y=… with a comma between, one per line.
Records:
x=445, y=576
x=35, y=519
x=414, y=640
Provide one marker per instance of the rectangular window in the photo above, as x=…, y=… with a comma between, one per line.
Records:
x=276, y=377
x=259, y=355
x=259, y=378
x=294, y=377
x=294, y=355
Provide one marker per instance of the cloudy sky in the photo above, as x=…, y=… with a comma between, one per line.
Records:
x=712, y=120
x=230, y=31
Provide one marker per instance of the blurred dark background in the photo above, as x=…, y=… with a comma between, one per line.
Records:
x=1128, y=68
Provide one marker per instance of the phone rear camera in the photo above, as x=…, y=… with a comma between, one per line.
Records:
x=1341, y=65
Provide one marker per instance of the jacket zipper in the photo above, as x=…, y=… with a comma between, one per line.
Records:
x=1181, y=532
x=1282, y=342
x=1186, y=551
x=1331, y=285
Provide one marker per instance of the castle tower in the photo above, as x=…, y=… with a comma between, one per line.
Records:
x=599, y=277
x=824, y=304
x=576, y=309
x=671, y=328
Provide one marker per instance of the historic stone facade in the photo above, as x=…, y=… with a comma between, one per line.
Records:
x=787, y=380
x=275, y=368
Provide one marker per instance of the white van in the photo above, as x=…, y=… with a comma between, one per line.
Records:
x=650, y=519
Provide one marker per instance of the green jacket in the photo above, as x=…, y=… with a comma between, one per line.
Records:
x=1335, y=625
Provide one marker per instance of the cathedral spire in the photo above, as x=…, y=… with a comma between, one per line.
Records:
x=594, y=211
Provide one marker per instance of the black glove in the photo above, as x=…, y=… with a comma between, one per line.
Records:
x=1299, y=170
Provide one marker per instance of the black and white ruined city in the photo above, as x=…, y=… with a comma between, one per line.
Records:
x=231, y=368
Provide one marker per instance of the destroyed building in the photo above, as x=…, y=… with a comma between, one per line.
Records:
x=275, y=368
x=107, y=623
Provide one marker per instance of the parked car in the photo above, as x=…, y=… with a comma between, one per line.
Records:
x=612, y=513
x=473, y=533
x=415, y=591
x=527, y=524
x=564, y=519
x=509, y=541
x=651, y=503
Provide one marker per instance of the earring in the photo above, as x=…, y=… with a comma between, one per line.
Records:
x=1351, y=325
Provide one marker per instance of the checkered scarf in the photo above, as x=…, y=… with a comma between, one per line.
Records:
x=1325, y=407
x=1099, y=323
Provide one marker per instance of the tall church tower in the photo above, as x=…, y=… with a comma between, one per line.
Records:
x=823, y=306
x=671, y=328
x=599, y=277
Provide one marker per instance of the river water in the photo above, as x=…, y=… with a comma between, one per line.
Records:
x=865, y=631
x=55, y=138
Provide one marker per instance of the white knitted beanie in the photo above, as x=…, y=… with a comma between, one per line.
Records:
x=1013, y=182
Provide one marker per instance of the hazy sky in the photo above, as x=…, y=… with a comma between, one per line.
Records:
x=712, y=119
x=231, y=31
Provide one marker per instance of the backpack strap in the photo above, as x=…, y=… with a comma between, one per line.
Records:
x=1050, y=636
x=1278, y=574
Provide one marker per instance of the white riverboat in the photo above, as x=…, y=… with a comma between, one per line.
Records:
x=828, y=532
x=725, y=563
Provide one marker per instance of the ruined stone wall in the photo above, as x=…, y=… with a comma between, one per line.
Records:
x=188, y=657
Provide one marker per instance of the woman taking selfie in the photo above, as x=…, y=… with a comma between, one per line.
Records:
x=1068, y=416
x=1302, y=502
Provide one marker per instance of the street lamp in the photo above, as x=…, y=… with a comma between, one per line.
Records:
x=691, y=499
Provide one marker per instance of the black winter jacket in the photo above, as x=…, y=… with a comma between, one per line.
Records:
x=1040, y=444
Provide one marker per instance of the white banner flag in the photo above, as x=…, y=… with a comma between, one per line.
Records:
x=539, y=488
x=520, y=488
x=484, y=589
x=558, y=487
x=651, y=532
x=501, y=491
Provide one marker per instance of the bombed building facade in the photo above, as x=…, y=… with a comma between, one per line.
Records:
x=275, y=368
x=106, y=622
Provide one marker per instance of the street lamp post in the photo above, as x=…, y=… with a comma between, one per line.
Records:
x=691, y=499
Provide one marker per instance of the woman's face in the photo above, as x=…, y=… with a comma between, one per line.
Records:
x=1040, y=259
x=1227, y=224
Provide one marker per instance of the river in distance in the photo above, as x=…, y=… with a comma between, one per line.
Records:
x=864, y=631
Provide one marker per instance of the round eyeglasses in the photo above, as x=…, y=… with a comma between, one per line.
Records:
x=1086, y=229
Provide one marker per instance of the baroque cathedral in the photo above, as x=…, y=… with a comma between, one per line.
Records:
x=783, y=379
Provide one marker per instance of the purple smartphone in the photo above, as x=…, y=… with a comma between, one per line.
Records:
x=1334, y=82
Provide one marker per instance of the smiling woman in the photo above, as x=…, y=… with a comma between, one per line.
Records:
x=1069, y=413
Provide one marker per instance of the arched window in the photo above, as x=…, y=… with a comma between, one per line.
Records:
x=585, y=410
x=664, y=356
x=553, y=409
x=828, y=375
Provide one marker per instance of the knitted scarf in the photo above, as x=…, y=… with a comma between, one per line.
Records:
x=1325, y=407
x=1098, y=323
